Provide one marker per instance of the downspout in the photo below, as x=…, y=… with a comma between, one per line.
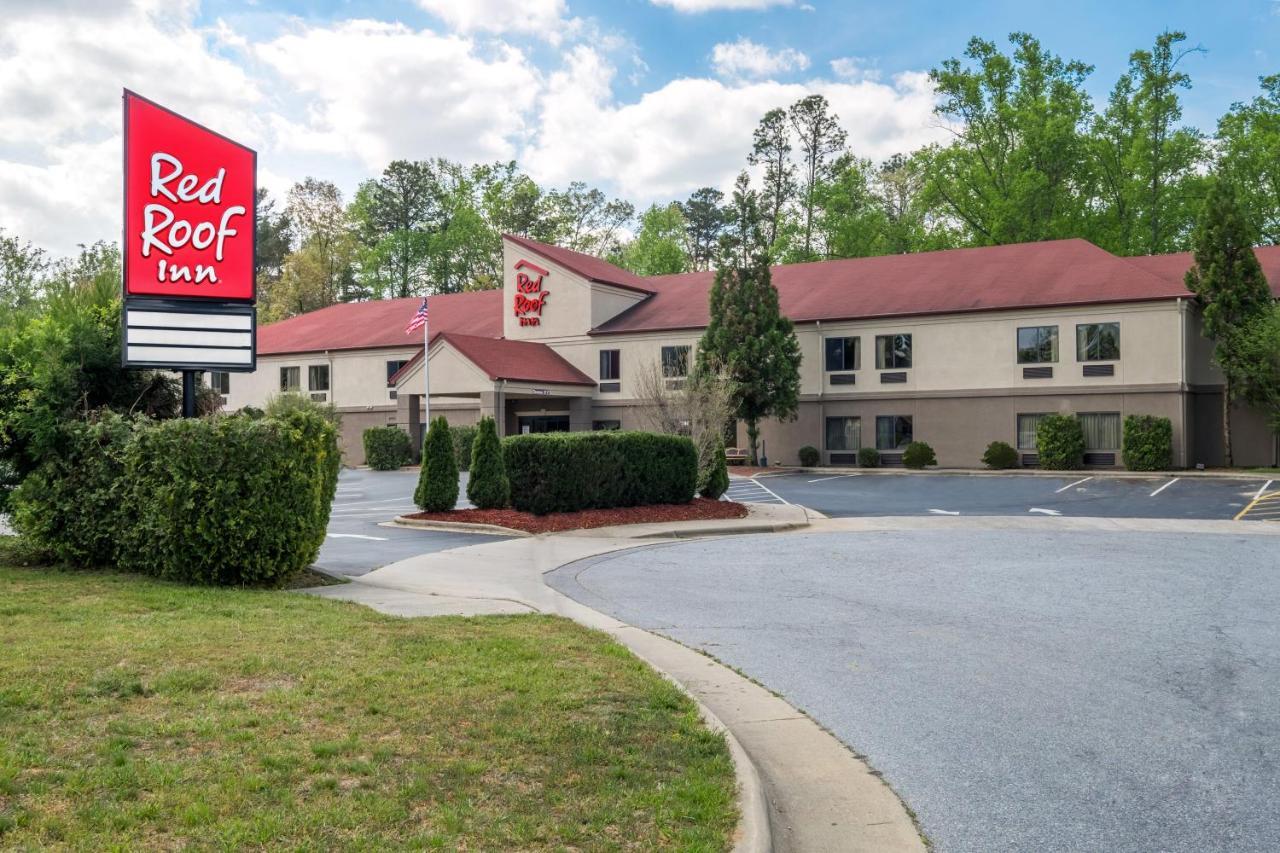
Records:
x=1183, y=385
x=501, y=407
x=822, y=381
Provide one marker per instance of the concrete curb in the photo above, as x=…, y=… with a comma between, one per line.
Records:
x=1096, y=473
x=456, y=526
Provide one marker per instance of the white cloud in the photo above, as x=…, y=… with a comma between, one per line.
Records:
x=695, y=132
x=698, y=6
x=401, y=93
x=537, y=17
x=746, y=59
x=854, y=68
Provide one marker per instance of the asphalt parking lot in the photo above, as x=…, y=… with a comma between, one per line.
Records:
x=358, y=543
x=1021, y=690
x=1082, y=495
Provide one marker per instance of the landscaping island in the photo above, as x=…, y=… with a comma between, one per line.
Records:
x=137, y=713
x=699, y=509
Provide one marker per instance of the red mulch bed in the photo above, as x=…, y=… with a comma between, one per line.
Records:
x=699, y=509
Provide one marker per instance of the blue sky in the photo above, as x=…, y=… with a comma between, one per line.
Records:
x=648, y=99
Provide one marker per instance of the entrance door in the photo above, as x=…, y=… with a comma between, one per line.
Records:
x=543, y=423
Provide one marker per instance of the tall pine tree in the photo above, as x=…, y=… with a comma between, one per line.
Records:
x=749, y=339
x=1231, y=288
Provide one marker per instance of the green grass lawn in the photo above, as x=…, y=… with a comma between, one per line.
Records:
x=139, y=714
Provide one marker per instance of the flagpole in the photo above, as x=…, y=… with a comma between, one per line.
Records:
x=426, y=372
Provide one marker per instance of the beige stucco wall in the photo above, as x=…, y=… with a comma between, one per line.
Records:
x=573, y=305
x=357, y=378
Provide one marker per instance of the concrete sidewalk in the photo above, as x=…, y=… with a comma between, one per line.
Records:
x=800, y=789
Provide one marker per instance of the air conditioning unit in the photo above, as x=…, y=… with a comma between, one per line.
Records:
x=392, y=394
x=319, y=397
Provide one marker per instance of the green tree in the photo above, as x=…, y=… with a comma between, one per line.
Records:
x=753, y=344
x=704, y=219
x=1249, y=157
x=584, y=219
x=272, y=240
x=487, y=485
x=851, y=219
x=1231, y=289
x=821, y=142
x=22, y=269
x=437, y=489
x=321, y=270
x=1146, y=167
x=1015, y=170
x=393, y=216
x=1258, y=348
x=771, y=148
x=659, y=246
x=745, y=233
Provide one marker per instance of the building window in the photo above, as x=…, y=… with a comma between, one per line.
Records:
x=610, y=365
x=393, y=367
x=843, y=354
x=893, y=352
x=318, y=377
x=1098, y=342
x=1027, y=426
x=844, y=433
x=220, y=381
x=893, y=432
x=675, y=362
x=606, y=425
x=1101, y=430
x=290, y=379
x=1037, y=344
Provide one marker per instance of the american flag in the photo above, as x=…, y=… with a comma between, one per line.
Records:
x=419, y=319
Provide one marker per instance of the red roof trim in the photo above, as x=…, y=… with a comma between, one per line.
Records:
x=588, y=266
x=498, y=354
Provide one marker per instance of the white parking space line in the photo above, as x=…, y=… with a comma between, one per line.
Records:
x=834, y=477
x=355, y=536
x=1165, y=486
x=944, y=511
x=751, y=491
x=1263, y=490
x=1071, y=485
x=1044, y=511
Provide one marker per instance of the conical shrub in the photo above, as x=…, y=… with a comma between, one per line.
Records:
x=438, y=481
x=713, y=478
x=488, y=486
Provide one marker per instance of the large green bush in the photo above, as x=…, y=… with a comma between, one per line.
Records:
x=221, y=500
x=809, y=456
x=74, y=505
x=568, y=471
x=437, y=489
x=1000, y=455
x=713, y=477
x=918, y=454
x=869, y=457
x=230, y=500
x=1060, y=442
x=464, y=438
x=386, y=448
x=1148, y=443
x=488, y=486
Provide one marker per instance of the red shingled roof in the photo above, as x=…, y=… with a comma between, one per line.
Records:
x=587, y=266
x=521, y=361
x=1025, y=275
x=380, y=323
x=1174, y=267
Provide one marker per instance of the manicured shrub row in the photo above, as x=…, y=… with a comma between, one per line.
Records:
x=223, y=500
x=463, y=439
x=568, y=471
x=918, y=455
x=1060, y=442
x=437, y=489
x=1148, y=443
x=1000, y=455
x=387, y=448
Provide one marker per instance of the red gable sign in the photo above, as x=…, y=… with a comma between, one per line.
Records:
x=530, y=297
x=188, y=207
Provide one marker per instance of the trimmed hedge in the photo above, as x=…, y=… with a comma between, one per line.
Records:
x=809, y=456
x=918, y=454
x=569, y=471
x=713, y=477
x=488, y=486
x=1060, y=442
x=221, y=500
x=437, y=489
x=464, y=438
x=1148, y=443
x=1000, y=455
x=386, y=448
x=868, y=457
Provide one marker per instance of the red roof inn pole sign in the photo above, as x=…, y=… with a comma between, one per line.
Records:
x=530, y=297
x=189, y=223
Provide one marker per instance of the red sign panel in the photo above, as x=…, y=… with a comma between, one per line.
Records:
x=530, y=297
x=188, y=207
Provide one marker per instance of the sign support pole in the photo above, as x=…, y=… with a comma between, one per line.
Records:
x=188, y=393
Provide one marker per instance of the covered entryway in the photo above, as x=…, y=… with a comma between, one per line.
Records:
x=526, y=424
